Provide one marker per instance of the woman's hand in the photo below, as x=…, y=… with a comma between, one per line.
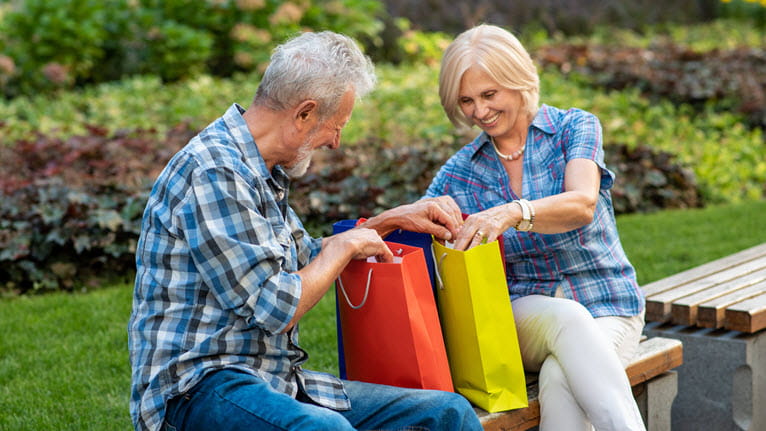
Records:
x=487, y=225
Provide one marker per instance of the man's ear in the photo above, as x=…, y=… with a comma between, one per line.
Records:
x=305, y=112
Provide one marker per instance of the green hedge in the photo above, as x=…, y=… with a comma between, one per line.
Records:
x=76, y=165
x=725, y=156
x=60, y=44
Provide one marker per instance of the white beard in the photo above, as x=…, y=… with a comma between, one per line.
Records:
x=303, y=161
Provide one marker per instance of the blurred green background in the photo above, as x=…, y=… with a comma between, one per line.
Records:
x=95, y=96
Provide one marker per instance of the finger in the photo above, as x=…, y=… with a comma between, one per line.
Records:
x=385, y=256
x=463, y=240
x=478, y=238
x=447, y=219
x=452, y=208
x=442, y=233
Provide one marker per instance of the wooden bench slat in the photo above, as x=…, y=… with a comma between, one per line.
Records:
x=684, y=310
x=658, y=306
x=656, y=355
x=521, y=419
x=712, y=314
x=747, y=316
x=704, y=270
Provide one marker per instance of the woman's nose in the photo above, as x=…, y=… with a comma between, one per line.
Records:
x=481, y=109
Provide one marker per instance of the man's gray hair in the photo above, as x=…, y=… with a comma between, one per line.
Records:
x=320, y=66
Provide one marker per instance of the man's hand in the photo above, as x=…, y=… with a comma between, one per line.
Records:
x=361, y=243
x=440, y=217
x=337, y=250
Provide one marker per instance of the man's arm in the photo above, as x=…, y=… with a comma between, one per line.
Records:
x=438, y=216
x=337, y=251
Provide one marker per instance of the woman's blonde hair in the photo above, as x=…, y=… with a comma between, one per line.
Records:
x=498, y=53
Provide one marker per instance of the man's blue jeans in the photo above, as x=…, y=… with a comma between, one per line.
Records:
x=233, y=400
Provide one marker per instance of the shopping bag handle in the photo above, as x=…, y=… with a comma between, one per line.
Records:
x=438, y=267
x=366, y=292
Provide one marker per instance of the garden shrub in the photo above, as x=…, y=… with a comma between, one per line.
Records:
x=71, y=208
x=55, y=44
x=49, y=44
x=671, y=72
x=650, y=180
x=568, y=17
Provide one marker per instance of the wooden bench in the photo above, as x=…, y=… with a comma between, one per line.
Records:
x=718, y=311
x=728, y=293
x=649, y=372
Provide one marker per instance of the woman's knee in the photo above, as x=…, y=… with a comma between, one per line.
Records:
x=538, y=314
x=572, y=312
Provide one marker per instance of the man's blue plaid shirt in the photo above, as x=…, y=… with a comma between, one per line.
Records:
x=215, y=283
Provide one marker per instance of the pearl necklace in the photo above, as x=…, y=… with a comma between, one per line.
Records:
x=509, y=157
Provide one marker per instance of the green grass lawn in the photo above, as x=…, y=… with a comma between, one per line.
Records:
x=64, y=361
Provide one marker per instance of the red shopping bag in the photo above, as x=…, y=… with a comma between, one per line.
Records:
x=390, y=325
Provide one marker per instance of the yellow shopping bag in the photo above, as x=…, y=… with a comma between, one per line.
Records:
x=479, y=331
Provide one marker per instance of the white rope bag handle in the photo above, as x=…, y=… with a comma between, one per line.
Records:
x=438, y=266
x=366, y=292
x=366, y=289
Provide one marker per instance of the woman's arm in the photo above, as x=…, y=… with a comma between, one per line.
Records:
x=571, y=209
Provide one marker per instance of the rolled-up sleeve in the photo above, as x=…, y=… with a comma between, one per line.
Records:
x=585, y=141
x=239, y=255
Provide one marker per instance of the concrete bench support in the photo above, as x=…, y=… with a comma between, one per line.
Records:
x=655, y=398
x=722, y=382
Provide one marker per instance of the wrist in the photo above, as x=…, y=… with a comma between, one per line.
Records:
x=382, y=223
x=527, y=221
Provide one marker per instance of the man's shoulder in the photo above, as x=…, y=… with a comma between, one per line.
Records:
x=214, y=147
x=211, y=148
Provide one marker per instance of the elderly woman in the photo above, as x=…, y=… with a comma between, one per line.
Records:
x=536, y=177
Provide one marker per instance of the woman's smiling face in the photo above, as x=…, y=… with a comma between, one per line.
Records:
x=495, y=109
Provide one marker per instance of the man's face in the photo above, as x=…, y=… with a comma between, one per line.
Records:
x=324, y=134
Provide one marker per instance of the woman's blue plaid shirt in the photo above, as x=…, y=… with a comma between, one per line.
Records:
x=588, y=263
x=215, y=283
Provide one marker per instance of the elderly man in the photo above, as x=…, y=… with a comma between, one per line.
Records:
x=225, y=269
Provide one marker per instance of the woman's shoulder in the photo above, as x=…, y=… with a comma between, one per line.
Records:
x=562, y=117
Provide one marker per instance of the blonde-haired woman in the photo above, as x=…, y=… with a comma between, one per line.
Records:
x=536, y=176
